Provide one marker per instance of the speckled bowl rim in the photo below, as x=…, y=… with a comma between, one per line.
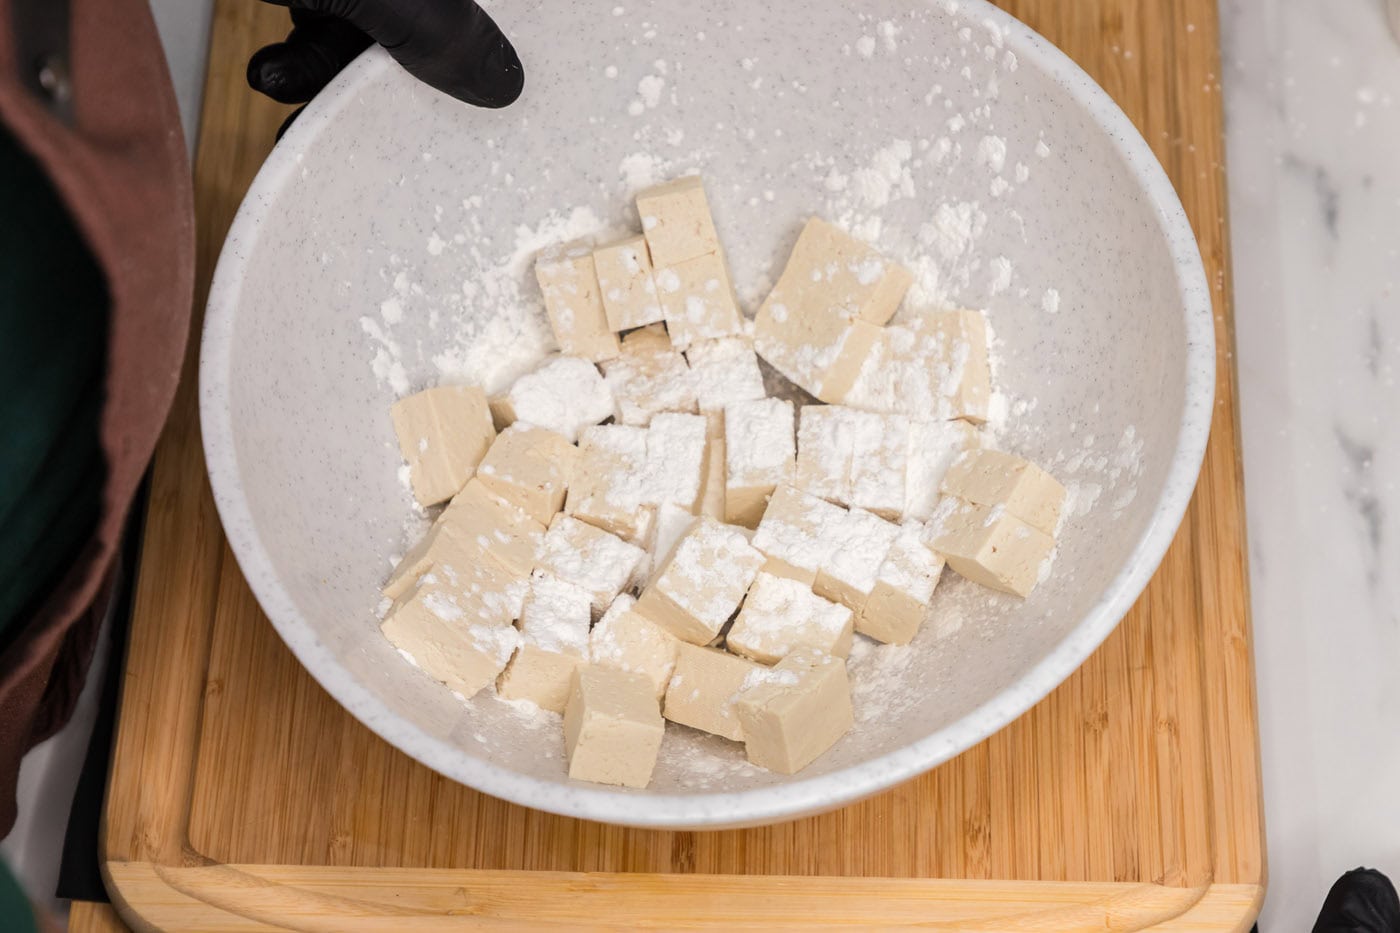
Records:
x=799, y=796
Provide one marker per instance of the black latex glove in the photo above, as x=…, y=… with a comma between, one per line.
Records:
x=1362, y=901
x=451, y=45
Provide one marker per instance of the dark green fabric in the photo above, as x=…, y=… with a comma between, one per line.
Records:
x=53, y=337
x=16, y=914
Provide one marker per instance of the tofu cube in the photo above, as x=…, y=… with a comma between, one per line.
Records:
x=760, y=452
x=700, y=585
x=798, y=534
x=781, y=615
x=825, y=446
x=612, y=727
x=794, y=712
x=989, y=545
x=601, y=564
x=506, y=532
x=698, y=300
x=934, y=366
x=677, y=446
x=569, y=282
x=903, y=589
x=712, y=502
x=430, y=625
x=933, y=446
x=672, y=524
x=443, y=434
x=703, y=688
x=822, y=353
x=880, y=463
x=723, y=372
x=554, y=640
x=626, y=284
x=608, y=484
x=565, y=395
x=676, y=221
x=647, y=379
x=990, y=477
x=628, y=641
x=530, y=468
x=860, y=542
x=831, y=273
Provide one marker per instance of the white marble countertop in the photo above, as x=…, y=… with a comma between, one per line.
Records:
x=1312, y=93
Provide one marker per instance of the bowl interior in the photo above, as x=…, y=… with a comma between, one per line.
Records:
x=388, y=247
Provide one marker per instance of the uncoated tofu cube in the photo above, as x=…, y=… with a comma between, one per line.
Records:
x=989, y=546
x=880, y=463
x=649, y=377
x=794, y=712
x=608, y=485
x=698, y=300
x=530, y=468
x=569, y=282
x=933, y=446
x=554, y=641
x=565, y=394
x=903, y=589
x=612, y=727
x=601, y=564
x=510, y=535
x=822, y=353
x=859, y=544
x=826, y=436
x=627, y=640
x=724, y=371
x=760, y=451
x=934, y=366
x=429, y=625
x=625, y=281
x=701, y=584
x=703, y=688
x=798, y=533
x=676, y=221
x=990, y=477
x=443, y=434
x=781, y=615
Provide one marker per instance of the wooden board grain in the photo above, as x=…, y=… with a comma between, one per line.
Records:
x=242, y=794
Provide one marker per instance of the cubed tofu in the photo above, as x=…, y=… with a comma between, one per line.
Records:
x=530, y=468
x=703, y=688
x=700, y=585
x=933, y=446
x=626, y=284
x=698, y=300
x=822, y=353
x=612, y=727
x=932, y=366
x=508, y=533
x=795, y=711
x=601, y=564
x=649, y=378
x=860, y=542
x=569, y=282
x=554, y=640
x=431, y=626
x=676, y=450
x=760, y=452
x=990, y=478
x=798, y=533
x=712, y=501
x=443, y=434
x=989, y=545
x=831, y=273
x=627, y=640
x=608, y=488
x=672, y=524
x=565, y=395
x=903, y=589
x=676, y=221
x=825, y=446
x=723, y=372
x=880, y=463
x=781, y=615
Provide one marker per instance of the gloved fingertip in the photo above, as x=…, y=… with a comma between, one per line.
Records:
x=267, y=72
x=500, y=78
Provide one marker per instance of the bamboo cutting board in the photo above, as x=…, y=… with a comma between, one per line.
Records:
x=243, y=798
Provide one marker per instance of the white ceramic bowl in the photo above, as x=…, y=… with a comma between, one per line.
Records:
x=385, y=246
